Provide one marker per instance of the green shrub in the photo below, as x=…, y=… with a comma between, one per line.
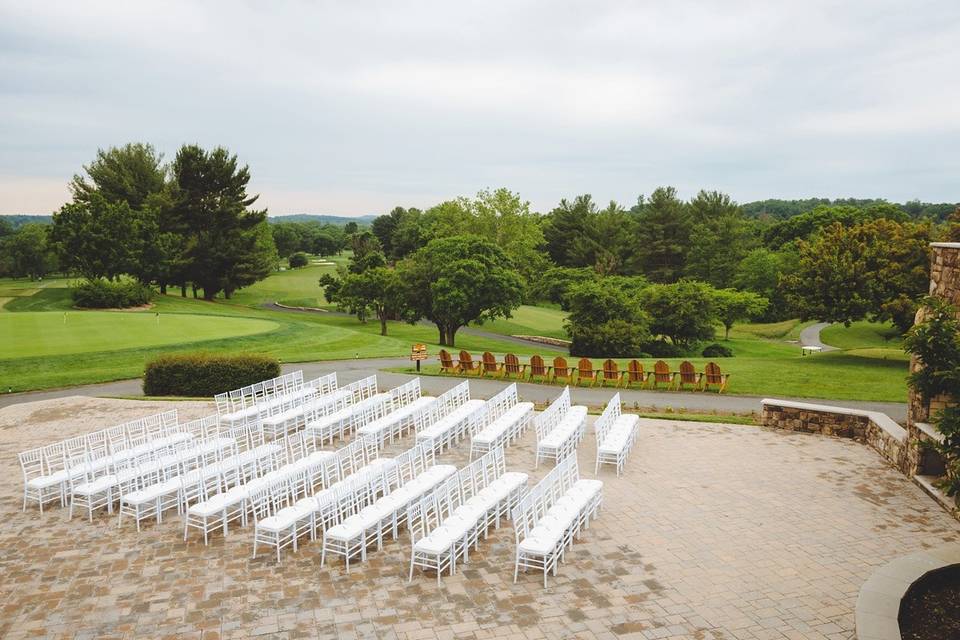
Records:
x=299, y=259
x=205, y=374
x=717, y=351
x=105, y=294
x=663, y=349
x=612, y=339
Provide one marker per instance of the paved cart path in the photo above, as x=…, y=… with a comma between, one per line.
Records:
x=350, y=370
x=810, y=337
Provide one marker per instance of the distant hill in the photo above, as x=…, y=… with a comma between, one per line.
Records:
x=322, y=218
x=783, y=209
x=20, y=220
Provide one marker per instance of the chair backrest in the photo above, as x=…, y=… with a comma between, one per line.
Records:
x=713, y=374
x=610, y=369
x=560, y=367
x=466, y=360
x=31, y=463
x=661, y=371
x=634, y=371
x=585, y=368
x=610, y=413
x=537, y=368
x=511, y=363
x=688, y=373
x=489, y=362
x=446, y=359
x=550, y=417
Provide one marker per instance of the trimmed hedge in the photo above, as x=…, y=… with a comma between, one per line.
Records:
x=205, y=374
x=105, y=294
x=717, y=351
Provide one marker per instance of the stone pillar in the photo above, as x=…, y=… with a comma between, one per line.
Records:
x=944, y=283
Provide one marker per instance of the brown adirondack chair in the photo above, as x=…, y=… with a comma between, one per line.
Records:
x=512, y=367
x=538, y=369
x=688, y=376
x=662, y=374
x=490, y=364
x=713, y=377
x=561, y=370
x=611, y=374
x=634, y=374
x=467, y=365
x=585, y=371
x=447, y=365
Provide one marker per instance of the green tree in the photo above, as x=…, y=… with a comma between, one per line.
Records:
x=760, y=271
x=662, y=236
x=876, y=270
x=719, y=238
x=367, y=252
x=565, y=226
x=93, y=236
x=288, y=238
x=377, y=290
x=30, y=252
x=733, y=306
x=211, y=209
x=131, y=174
x=605, y=320
x=458, y=280
x=684, y=311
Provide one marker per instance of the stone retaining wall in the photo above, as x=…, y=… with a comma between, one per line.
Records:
x=873, y=428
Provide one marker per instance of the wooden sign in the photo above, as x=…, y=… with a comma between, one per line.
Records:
x=418, y=352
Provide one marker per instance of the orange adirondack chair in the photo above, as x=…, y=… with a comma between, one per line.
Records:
x=688, y=376
x=561, y=370
x=585, y=371
x=611, y=374
x=634, y=374
x=512, y=367
x=446, y=363
x=713, y=377
x=490, y=364
x=662, y=373
x=467, y=365
x=538, y=369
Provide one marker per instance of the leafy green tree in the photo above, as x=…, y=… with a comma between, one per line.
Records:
x=663, y=235
x=130, y=174
x=804, y=225
x=377, y=290
x=93, y=236
x=719, y=238
x=367, y=252
x=211, y=209
x=324, y=244
x=6, y=228
x=298, y=259
x=568, y=223
x=760, y=272
x=684, y=311
x=30, y=252
x=351, y=228
x=459, y=280
x=605, y=320
x=876, y=270
x=734, y=306
x=288, y=238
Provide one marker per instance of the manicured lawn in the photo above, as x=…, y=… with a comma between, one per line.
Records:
x=529, y=320
x=862, y=335
x=293, y=287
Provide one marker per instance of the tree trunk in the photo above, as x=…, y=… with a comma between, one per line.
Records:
x=163, y=288
x=726, y=332
x=443, y=334
x=183, y=290
x=194, y=287
x=452, y=336
x=383, y=324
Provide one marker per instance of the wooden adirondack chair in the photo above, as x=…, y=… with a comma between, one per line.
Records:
x=662, y=374
x=512, y=367
x=468, y=366
x=538, y=369
x=585, y=371
x=447, y=364
x=713, y=377
x=561, y=370
x=634, y=374
x=688, y=376
x=611, y=374
x=490, y=364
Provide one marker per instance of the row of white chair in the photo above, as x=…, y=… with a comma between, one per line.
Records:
x=282, y=518
x=47, y=470
x=280, y=405
x=447, y=421
x=237, y=400
x=616, y=435
x=400, y=416
x=444, y=523
x=559, y=428
x=365, y=517
x=551, y=515
x=501, y=421
x=329, y=398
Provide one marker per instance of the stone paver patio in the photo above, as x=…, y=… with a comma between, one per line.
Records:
x=714, y=531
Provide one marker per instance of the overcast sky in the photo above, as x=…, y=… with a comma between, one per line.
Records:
x=355, y=107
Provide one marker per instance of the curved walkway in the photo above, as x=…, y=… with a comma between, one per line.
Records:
x=350, y=370
x=810, y=337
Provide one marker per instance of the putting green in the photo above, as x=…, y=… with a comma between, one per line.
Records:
x=46, y=333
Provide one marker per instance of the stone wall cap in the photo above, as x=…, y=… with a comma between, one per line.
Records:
x=946, y=245
x=879, y=418
x=929, y=430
